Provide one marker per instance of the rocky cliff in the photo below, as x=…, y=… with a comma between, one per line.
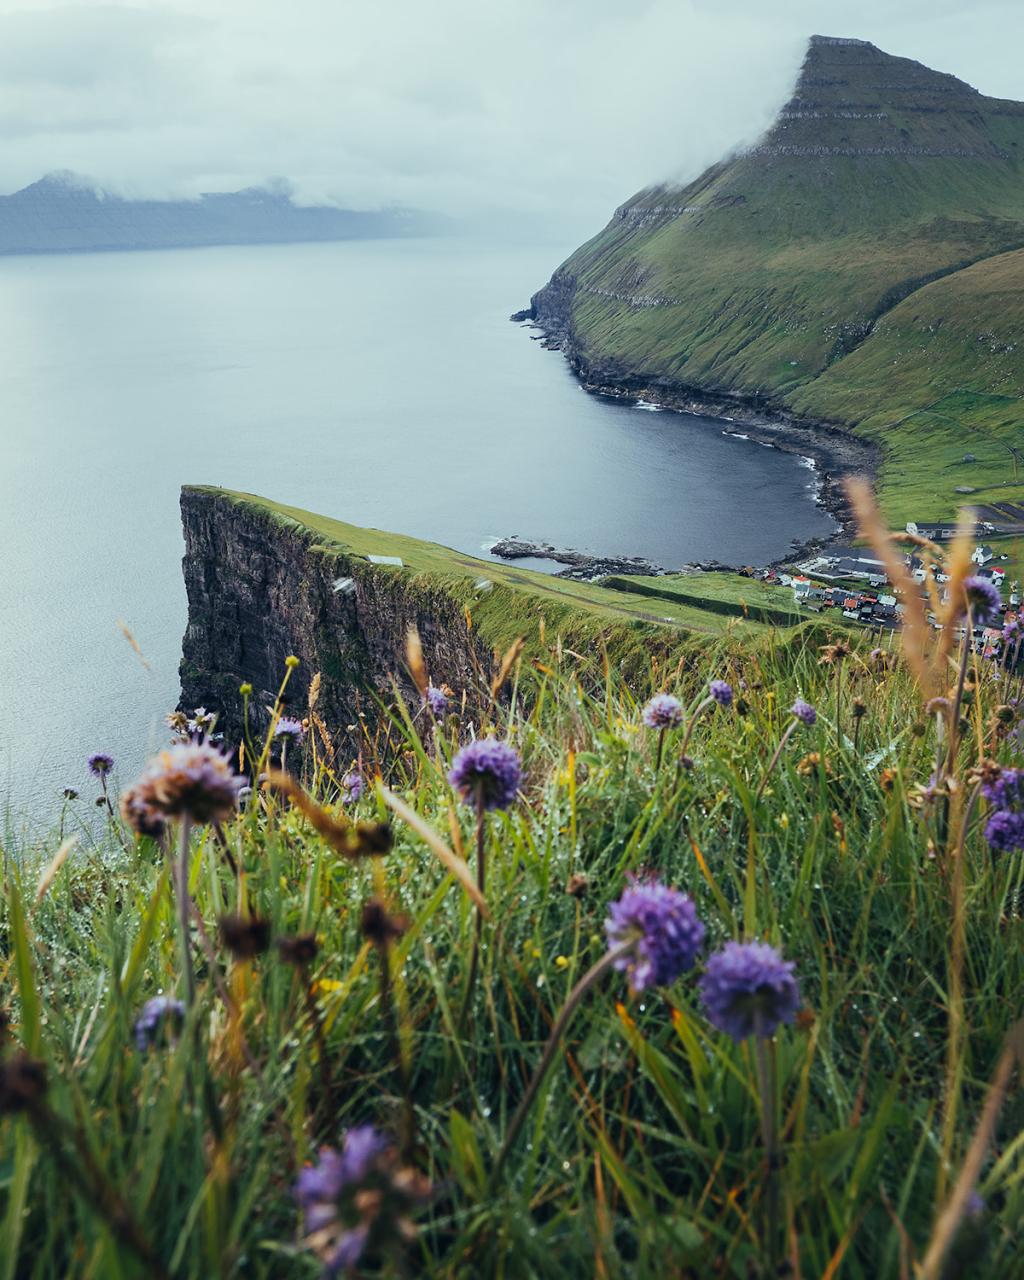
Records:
x=261, y=587
x=265, y=581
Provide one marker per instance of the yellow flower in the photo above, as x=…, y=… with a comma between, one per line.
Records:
x=561, y=962
x=783, y=821
x=291, y=662
x=327, y=985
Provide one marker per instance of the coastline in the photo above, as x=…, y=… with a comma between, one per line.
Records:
x=833, y=450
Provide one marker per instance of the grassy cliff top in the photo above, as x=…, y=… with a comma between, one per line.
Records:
x=677, y=602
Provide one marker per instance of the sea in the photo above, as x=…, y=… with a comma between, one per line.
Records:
x=379, y=382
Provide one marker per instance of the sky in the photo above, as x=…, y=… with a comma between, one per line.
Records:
x=551, y=110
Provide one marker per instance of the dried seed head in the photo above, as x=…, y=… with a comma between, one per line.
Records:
x=22, y=1082
x=379, y=926
x=577, y=886
x=859, y=708
x=298, y=949
x=244, y=936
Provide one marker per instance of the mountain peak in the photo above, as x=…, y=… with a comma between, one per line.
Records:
x=852, y=98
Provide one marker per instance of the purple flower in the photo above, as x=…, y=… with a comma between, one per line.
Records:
x=748, y=989
x=804, y=711
x=325, y=1189
x=101, y=764
x=1005, y=830
x=1012, y=630
x=983, y=597
x=663, y=712
x=1006, y=789
x=975, y=1206
x=289, y=728
x=353, y=786
x=487, y=769
x=193, y=779
x=161, y=1016
x=668, y=930
x=721, y=691
x=436, y=699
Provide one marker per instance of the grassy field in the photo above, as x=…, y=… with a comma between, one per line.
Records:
x=656, y=1144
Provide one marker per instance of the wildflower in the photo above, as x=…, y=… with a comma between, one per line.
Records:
x=140, y=815
x=245, y=689
x=244, y=936
x=833, y=654
x=358, y=1200
x=887, y=779
x=721, y=691
x=190, y=779
x=668, y=931
x=70, y=793
x=161, y=1016
x=436, y=699
x=748, y=989
x=352, y=784
x=804, y=711
x=289, y=730
x=975, y=1206
x=291, y=662
x=1005, y=830
x=100, y=764
x=982, y=598
x=487, y=771
x=1012, y=630
x=858, y=708
x=299, y=949
x=663, y=712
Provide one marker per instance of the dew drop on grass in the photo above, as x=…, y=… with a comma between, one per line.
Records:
x=566, y=1165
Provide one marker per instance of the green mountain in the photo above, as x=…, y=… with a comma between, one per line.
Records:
x=861, y=265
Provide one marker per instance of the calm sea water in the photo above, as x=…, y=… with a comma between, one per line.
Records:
x=380, y=383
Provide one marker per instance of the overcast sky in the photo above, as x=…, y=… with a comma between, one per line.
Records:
x=561, y=108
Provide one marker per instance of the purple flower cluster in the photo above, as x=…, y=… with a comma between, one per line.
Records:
x=436, y=699
x=191, y=779
x=323, y=1189
x=353, y=787
x=161, y=1018
x=667, y=928
x=289, y=729
x=100, y=765
x=721, y=691
x=1005, y=827
x=748, y=989
x=663, y=712
x=487, y=769
x=982, y=595
x=804, y=711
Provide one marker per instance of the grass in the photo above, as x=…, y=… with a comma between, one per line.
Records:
x=642, y=1155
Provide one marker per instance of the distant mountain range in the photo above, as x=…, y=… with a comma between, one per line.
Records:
x=62, y=213
x=862, y=264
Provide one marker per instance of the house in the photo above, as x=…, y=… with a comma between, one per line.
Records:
x=983, y=554
x=801, y=587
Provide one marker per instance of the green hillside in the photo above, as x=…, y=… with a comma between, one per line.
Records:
x=857, y=265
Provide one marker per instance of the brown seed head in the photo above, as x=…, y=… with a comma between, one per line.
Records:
x=244, y=936
x=298, y=949
x=22, y=1082
x=379, y=926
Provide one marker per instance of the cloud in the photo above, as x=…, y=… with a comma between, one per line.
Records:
x=555, y=109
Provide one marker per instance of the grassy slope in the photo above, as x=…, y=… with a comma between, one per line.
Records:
x=771, y=280
x=501, y=614
x=643, y=1157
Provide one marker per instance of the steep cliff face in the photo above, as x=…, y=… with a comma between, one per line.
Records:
x=260, y=588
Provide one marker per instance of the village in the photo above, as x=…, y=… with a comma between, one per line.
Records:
x=849, y=580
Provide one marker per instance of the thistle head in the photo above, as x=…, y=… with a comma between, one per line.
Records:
x=487, y=771
x=663, y=712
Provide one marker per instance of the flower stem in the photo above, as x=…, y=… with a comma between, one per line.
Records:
x=764, y=1059
x=775, y=758
x=589, y=979
x=481, y=880
x=698, y=710
x=184, y=837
